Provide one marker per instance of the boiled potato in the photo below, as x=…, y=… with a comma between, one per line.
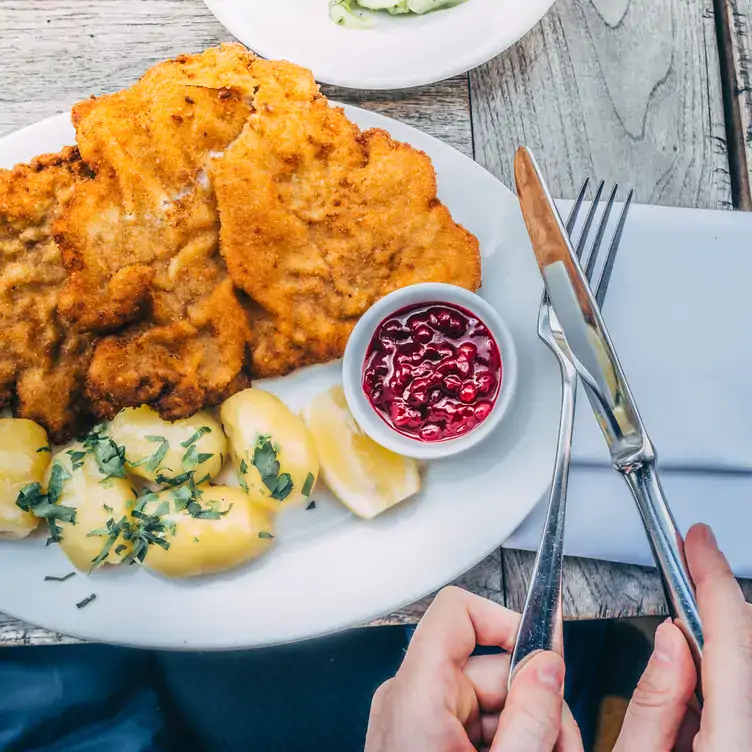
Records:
x=97, y=499
x=156, y=449
x=272, y=449
x=243, y=530
x=24, y=456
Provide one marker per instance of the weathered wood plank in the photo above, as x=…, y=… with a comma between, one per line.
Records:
x=629, y=91
x=626, y=90
x=608, y=591
x=56, y=52
x=736, y=28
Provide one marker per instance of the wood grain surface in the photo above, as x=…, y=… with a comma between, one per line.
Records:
x=627, y=90
x=736, y=29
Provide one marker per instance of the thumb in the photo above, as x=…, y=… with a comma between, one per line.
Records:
x=660, y=701
x=531, y=719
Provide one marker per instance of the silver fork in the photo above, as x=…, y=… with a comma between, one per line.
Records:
x=541, y=627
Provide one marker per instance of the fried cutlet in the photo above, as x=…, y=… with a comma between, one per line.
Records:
x=140, y=240
x=319, y=220
x=43, y=361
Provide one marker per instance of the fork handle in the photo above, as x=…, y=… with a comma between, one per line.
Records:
x=541, y=625
x=668, y=549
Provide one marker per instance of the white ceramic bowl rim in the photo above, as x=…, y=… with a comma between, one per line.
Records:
x=360, y=406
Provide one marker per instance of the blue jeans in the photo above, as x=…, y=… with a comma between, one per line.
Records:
x=308, y=696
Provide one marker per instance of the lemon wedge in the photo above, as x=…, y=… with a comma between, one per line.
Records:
x=364, y=476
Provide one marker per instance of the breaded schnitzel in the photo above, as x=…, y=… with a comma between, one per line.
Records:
x=314, y=219
x=140, y=240
x=42, y=361
x=319, y=220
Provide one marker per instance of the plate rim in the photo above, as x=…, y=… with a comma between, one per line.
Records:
x=221, y=11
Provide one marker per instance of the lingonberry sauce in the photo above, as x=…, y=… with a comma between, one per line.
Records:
x=432, y=371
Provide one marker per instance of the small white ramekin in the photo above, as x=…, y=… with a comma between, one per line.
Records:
x=357, y=347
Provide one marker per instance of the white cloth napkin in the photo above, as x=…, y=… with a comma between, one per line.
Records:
x=677, y=310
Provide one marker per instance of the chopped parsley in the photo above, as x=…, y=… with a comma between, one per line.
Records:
x=152, y=461
x=109, y=456
x=178, y=480
x=193, y=458
x=107, y=509
x=241, y=475
x=265, y=536
x=196, y=436
x=188, y=498
x=148, y=530
x=113, y=531
x=308, y=485
x=52, y=578
x=77, y=458
x=32, y=499
x=265, y=461
x=311, y=505
x=86, y=601
x=195, y=539
x=44, y=449
x=142, y=531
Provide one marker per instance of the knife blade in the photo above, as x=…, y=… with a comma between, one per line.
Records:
x=594, y=357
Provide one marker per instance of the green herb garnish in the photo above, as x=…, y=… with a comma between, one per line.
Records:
x=312, y=505
x=107, y=509
x=32, y=499
x=86, y=601
x=113, y=531
x=45, y=449
x=266, y=462
x=52, y=578
x=193, y=458
x=109, y=456
x=308, y=485
x=241, y=475
x=195, y=539
x=178, y=480
x=77, y=458
x=265, y=536
x=153, y=461
x=196, y=436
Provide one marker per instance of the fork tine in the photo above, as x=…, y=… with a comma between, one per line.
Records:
x=600, y=293
x=589, y=220
x=572, y=218
x=600, y=232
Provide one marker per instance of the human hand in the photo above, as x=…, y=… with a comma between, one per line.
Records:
x=663, y=713
x=445, y=700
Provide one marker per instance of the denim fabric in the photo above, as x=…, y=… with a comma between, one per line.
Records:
x=306, y=697
x=78, y=698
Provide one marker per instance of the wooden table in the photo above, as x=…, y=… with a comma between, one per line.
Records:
x=655, y=94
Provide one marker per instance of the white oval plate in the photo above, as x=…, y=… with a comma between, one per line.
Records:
x=400, y=51
x=330, y=570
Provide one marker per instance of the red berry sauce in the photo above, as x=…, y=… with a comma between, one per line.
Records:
x=432, y=371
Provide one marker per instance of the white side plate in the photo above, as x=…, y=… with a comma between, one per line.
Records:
x=330, y=570
x=400, y=51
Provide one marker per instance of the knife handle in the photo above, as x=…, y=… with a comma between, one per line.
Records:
x=668, y=550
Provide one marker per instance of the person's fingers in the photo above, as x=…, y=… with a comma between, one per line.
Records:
x=532, y=716
x=570, y=738
x=727, y=654
x=489, y=725
x=489, y=676
x=660, y=701
x=455, y=623
x=379, y=696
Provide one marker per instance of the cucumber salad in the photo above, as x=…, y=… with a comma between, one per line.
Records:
x=352, y=13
